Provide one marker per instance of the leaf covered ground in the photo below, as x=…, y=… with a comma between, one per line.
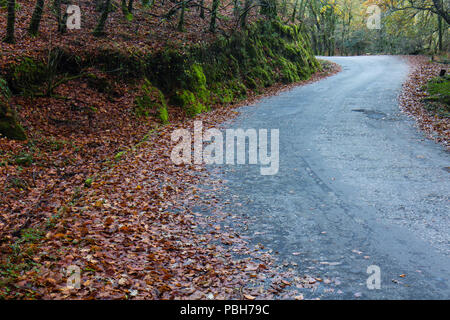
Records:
x=414, y=99
x=94, y=187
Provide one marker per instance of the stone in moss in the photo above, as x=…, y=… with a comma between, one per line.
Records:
x=9, y=127
x=197, y=77
x=151, y=100
x=27, y=76
x=197, y=83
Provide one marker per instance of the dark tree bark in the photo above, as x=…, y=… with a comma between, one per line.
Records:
x=11, y=21
x=202, y=9
x=125, y=8
x=181, y=21
x=441, y=10
x=130, y=6
x=294, y=12
x=245, y=11
x=212, y=24
x=440, y=33
x=99, y=30
x=36, y=18
x=59, y=17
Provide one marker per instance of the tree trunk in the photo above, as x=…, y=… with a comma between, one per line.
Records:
x=440, y=33
x=130, y=6
x=246, y=9
x=294, y=12
x=125, y=8
x=202, y=9
x=215, y=6
x=441, y=10
x=11, y=21
x=181, y=21
x=99, y=30
x=59, y=17
x=36, y=18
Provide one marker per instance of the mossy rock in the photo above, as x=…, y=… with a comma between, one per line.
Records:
x=9, y=127
x=151, y=100
x=196, y=76
x=27, y=76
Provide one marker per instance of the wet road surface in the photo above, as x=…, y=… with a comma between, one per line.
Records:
x=358, y=185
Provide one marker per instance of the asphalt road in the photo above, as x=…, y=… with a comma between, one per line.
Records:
x=358, y=185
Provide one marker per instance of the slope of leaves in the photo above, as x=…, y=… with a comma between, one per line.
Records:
x=149, y=30
x=77, y=194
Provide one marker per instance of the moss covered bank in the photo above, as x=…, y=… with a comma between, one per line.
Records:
x=193, y=78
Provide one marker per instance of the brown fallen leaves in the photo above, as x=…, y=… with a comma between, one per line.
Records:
x=132, y=231
x=422, y=70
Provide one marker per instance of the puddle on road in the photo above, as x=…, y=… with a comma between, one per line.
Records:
x=373, y=114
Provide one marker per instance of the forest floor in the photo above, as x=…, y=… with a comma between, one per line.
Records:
x=413, y=98
x=76, y=191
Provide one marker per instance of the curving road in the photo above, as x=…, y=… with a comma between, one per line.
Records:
x=358, y=185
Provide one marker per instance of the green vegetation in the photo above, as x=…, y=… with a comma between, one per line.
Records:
x=27, y=76
x=221, y=72
x=439, y=100
x=151, y=99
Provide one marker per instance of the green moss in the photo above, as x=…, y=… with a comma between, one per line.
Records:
x=119, y=155
x=150, y=100
x=439, y=88
x=11, y=129
x=27, y=76
x=251, y=83
x=197, y=83
x=197, y=77
x=187, y=100
x=288, y=70
x=239, y=89
x=438, y=101
x=222, y=94
x=264, y=74
x=88, y=182
x=23, y=159
x=164, y=115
